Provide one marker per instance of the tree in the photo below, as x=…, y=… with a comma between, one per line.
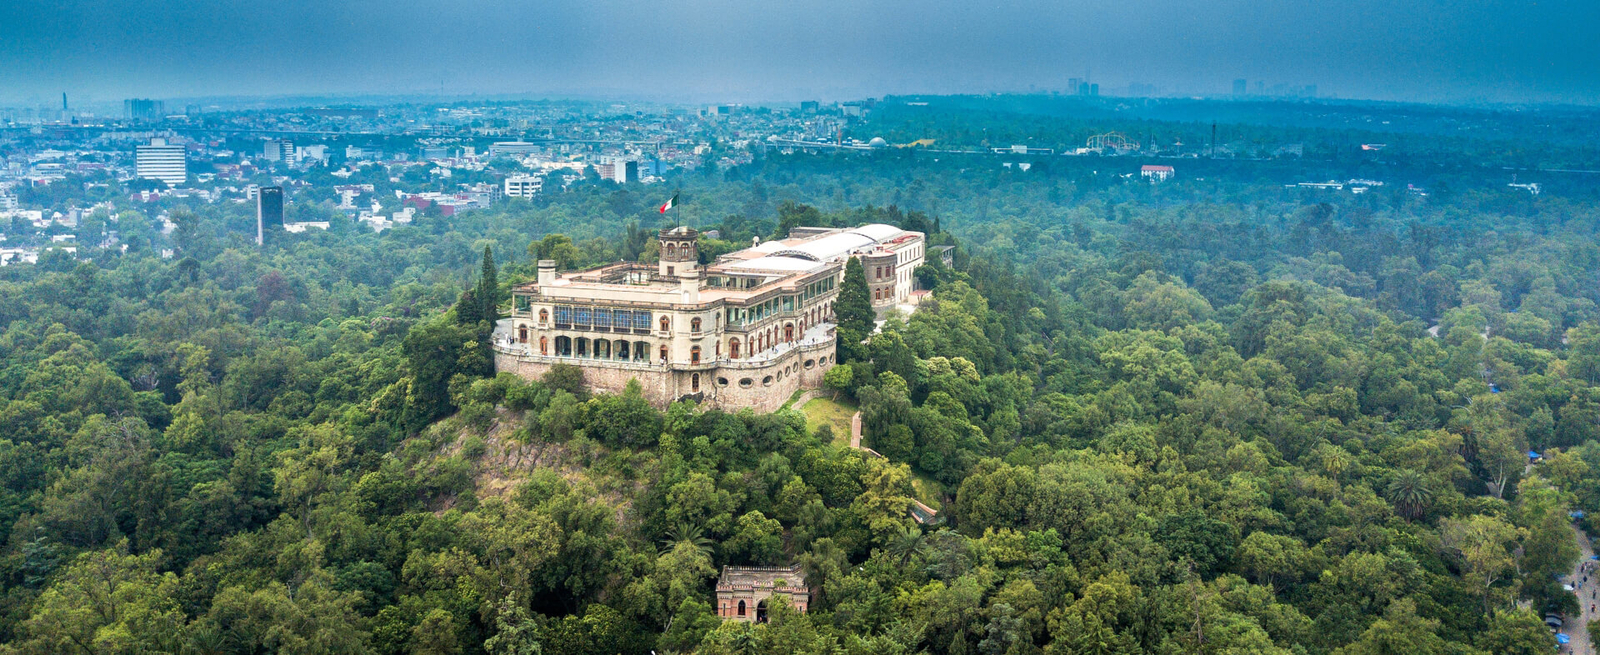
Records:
x=489, y=288
x=515, y=633
x=1410, y=493
x=853, y=309
x=107, y=602
x=1482, y=544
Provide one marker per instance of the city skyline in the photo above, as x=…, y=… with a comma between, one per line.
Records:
x=102, y=51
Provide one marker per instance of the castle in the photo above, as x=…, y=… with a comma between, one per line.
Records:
x=748, y=330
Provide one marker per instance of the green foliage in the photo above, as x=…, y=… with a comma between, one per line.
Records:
x=1178, y=418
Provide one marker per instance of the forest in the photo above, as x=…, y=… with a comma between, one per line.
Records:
x=1206, y=416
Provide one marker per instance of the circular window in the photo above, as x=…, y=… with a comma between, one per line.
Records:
x=766, y=381
x=746, y=383
x=722, y=382
x=810, y=363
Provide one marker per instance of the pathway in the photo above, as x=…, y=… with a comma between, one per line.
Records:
x=1588, y=596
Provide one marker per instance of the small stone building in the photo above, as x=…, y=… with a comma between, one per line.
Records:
x=742, y=592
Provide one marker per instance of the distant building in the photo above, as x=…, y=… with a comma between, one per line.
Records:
x=278, y=150
x=1240, y=87
x=143, y=109
x=358, y=152
x=159, y=161
x=316, y=153
x=269, y=210
x=621, y=170
x=513, y=148
x=8, y=200
x=524, y=186
x=809, y=106
x=743, y=591
x=1156, y=173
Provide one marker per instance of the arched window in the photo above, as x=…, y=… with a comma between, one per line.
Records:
x=522, y=334
x=741, y=608
x=663, y=354
x=564, y=346
x=672, y=250
x=733, y=348
x=694, y=357
x=583, y=347
x=544, y=316
x=788, y=332
x=694, y=325
x=666, y=324
x=694, y=383
x=544, y=345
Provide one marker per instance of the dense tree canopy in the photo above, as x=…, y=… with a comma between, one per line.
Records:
x=1211, y=416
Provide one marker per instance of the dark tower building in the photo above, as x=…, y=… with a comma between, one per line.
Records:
x=269, y=210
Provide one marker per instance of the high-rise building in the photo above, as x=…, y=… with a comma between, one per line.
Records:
x=278, y=150
x=159, y=161
x=524, y=186
x=269, y=210
x=1240, y=87
x=143, y=109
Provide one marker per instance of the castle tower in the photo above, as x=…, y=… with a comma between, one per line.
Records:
x=680, y=252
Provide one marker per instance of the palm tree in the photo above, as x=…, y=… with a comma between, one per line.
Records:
x=1410, y=493
x=907, y=544
x=688, y=533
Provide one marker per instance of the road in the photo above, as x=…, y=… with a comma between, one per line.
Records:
x=1588, y=597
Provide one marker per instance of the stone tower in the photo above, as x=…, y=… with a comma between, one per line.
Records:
x=680, y=252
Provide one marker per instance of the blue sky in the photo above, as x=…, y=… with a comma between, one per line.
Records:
x=753, y=50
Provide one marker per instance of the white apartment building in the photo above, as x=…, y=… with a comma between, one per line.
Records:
x=524, y=186
x=159, y=161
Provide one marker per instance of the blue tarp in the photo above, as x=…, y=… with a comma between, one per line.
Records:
x=1577, y=513
x=1562, y=638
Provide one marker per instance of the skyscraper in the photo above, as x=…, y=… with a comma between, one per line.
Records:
x=144, y=109
x=159, y=161
x=269, y=210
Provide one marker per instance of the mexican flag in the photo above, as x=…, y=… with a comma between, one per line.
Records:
x=670, y=203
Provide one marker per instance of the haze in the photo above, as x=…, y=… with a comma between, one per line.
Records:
x=1458, y=51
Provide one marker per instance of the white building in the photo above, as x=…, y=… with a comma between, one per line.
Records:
x=8, y=200
x=524, y=186
x=1156, y=173
x=159, y=161
x=747, y=330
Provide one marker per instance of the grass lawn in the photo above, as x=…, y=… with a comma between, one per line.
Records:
x=834, y=413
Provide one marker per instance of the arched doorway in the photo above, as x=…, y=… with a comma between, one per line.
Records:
x=788, y=332
x=563, y=346
x=733, y=348
x=741, y=608
x=544, y=345
x=694, y=383
x=761, y=611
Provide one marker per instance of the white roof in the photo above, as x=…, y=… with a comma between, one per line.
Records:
x=786, y=264
x=878, y=231
x=769, y=246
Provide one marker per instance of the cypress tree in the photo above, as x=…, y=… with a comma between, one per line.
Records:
x=854, y=307
x=854, y=312
x=489, y=288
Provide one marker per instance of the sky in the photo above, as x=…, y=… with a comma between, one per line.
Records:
x=1454, y=51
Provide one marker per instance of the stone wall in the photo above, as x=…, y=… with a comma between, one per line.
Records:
x=730, y=385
